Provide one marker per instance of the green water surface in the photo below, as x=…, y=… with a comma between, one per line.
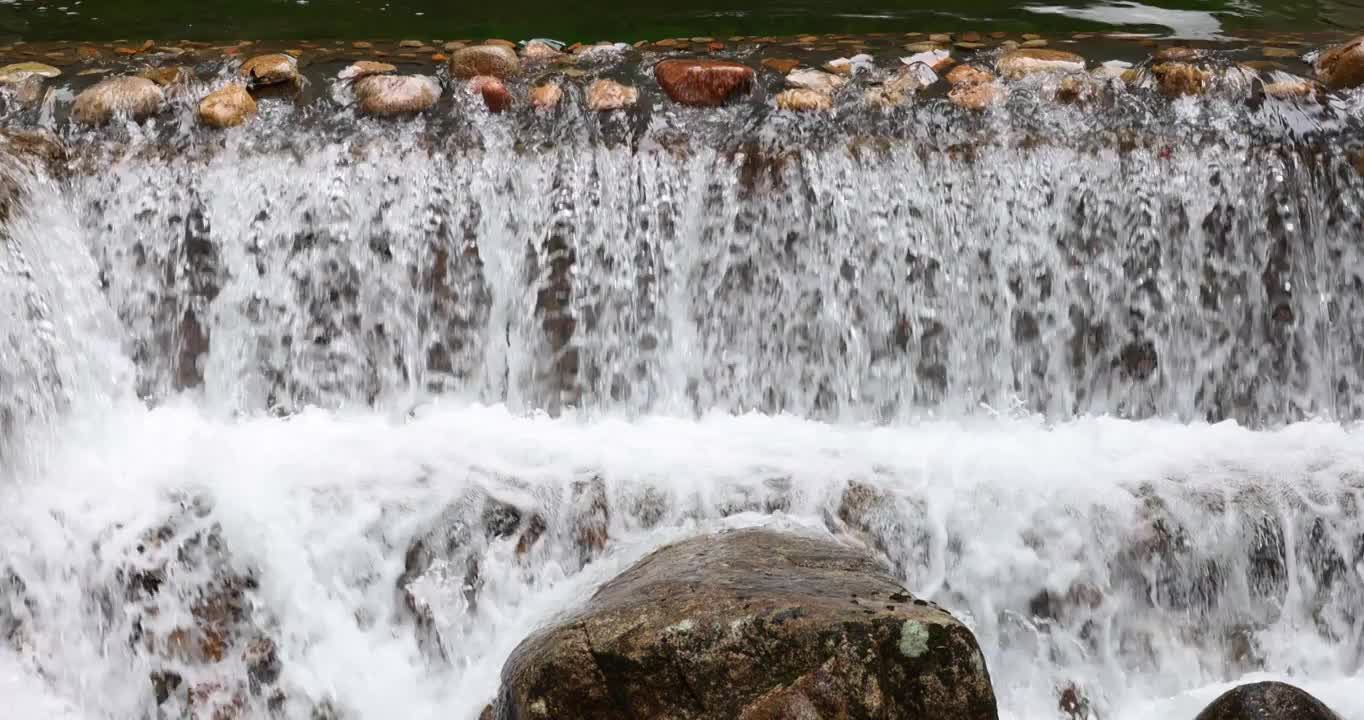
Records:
x=591, y=20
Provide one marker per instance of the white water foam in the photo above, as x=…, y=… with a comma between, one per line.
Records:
x=322, y=506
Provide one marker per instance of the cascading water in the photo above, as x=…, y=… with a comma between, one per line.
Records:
x=320, y=419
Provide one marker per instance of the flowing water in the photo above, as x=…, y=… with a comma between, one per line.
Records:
x=321, y=418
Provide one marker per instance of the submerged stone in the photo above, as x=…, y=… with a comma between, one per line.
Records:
x=703, y=81
x=1342, y=67
x=803, y=100
x=133, y=97
x=227, y=107
x=365, y=68
x=1267, y=701
x=1026, y=61
x=272, y=69
x=494, y=93
x=546, y=96
x=20, y=71
x=605, y=95
x=498, y=61
x=1175, y=79
x=816, y=80
x=977, y=96
x=968, y=75
x=750, y=624
x=396, y=94
x=781, y=66
x=539, y=50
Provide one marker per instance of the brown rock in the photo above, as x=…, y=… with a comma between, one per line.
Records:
x=536, y=50
x=781, y=65
x=1290, y=89
x=1341, y=68
x=365, y=68
x=494, y=93
x=227, y=107
x=165, y=76
x=498, y=61
x=904, y=83
x=272, y=69
x=1175, y=79
x=803, y=100
x=396, y=94
x=975, y=97
x=1278, y=52
x=546, y=96
x=604, y=95
x=1177, y=53
x=134, y=97
x=754, y=625
x=968, y=75
x=816, y=80
x=411, y=43
x=1025, y=61
x=87, y=52
x=703, y=81
x=1267, y=701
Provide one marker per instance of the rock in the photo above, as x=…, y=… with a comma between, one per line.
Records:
x=1291, y=89
x=227, y=107
x=494, y=93
x=1341, y=68
x=781, y=65
x=498, y=61
x=968, y=75
x=1175, y=79
x=1278, y=52
x=365, y=68
x=976, y=97
x=134, y=97
x=703, y=82
x=901, y=85
x=396, y=94
x=803, y=100
x=850, y=66
x=1026, y=61
x=591, y=517
x=1111, y=69
x=21, y=71
x=1039, y=43
x=1177, y=53
x=410, y=43
x=816, y=80
x=754, y=625
x=1266, y=701
x=546, y=96
x=938, y=60
x=1077, y=89
x=539, y=51
x=166, y=76
x=604, y=95
x=272, y=69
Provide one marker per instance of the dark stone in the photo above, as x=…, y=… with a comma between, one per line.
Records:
x=755, y=625
x=1267, y=701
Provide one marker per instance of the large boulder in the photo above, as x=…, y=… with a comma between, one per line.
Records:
x=133, y=97
x=756, y=625
x=606, y=95
x=1342, y=67
x=703, y=81
x=1266, y=701
x=396, y=94
x=496, y=60
x=227, y=107
x=272, y=69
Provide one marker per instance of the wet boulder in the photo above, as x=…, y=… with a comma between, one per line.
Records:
x=977, y=96
x=801, y=100
x=546, y=96
x=815, y=80
x=605, y=95
x=498, y=61
x=134, y=97
x=1267, y=701
x=1026, y=61
x=365, y=68
x=272, y=69
x=750, y=624
x=1342, y=67
x=1176, y=79
x=703, y=82
x=396, y=94
x=227, y=107
x=494, y=92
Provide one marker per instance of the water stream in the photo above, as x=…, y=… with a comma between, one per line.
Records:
x=320, y=419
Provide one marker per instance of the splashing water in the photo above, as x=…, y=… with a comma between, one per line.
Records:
x=322, y=420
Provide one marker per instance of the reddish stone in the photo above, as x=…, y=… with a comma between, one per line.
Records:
x=702, y=81
x=494, y=92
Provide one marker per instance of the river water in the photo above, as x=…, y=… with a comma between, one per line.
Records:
x=1091, y=380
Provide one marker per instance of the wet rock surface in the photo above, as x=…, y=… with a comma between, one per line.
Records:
x=396, y=94
x=132, y=97
x=607, y=95
x=272, y=69
x=703, y=82
x=227, y=107
x=751, y=624
x=498, y=61
x=1267, y=701
x=1342, y=67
